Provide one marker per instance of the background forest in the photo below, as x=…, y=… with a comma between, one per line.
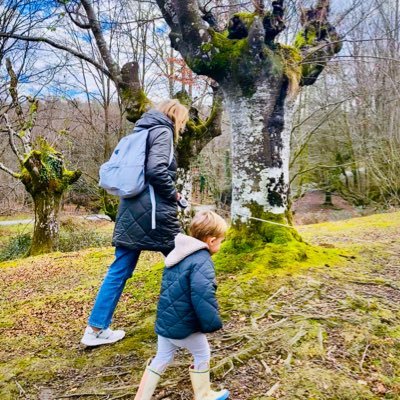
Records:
x=345, y=136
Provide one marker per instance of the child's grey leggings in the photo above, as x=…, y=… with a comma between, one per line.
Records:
x=197, y=344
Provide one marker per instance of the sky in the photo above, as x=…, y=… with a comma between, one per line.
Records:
x=68, y=81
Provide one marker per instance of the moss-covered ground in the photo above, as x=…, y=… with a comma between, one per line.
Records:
x=321, y=321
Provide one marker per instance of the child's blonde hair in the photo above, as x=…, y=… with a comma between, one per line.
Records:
x=207, y=224
x=176, y=112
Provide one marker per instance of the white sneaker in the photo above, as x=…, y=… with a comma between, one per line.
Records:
x=105, y=336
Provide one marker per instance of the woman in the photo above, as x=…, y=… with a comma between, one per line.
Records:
x=145, y=222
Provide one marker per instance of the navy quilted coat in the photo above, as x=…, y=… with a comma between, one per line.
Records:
x=133, y=226
x=187, y=301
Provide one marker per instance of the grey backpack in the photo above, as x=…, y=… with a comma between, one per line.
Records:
x=123, y=174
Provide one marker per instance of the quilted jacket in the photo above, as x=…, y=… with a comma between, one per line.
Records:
x=133, y=226
x=187, y=301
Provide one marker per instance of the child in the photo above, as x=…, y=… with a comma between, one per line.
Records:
x=187, y=308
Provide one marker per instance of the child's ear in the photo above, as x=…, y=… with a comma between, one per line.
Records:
x=210, y=240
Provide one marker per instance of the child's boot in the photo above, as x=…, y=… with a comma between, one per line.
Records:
x=202, y=388
x=148, y=384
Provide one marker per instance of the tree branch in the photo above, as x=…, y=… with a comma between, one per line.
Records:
x=198, y=133
x=259, y=6
x=26, y=123
x=214, y=121
x=75, y=21
x=318, y=41
x=58, y=46
x=11, y=134
x=209, y=17
x=171, y=19
x=256, y=39
x=184, y=19
x=9, y=171
x=95, y=27
x=274, y=23
x=14, y=92
x=132, y=95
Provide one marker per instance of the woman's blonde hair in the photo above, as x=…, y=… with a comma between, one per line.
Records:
x=176, y=112
x=207, y=224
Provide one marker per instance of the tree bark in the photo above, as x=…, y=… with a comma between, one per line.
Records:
x=260, y=128
x=46, y=229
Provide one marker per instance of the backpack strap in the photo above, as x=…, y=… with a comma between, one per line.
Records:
x=171, y=155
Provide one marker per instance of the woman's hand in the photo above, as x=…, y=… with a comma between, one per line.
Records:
x=178, y=196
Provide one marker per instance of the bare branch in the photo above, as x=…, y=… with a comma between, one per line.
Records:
x=60, y=47
x=9, y=171
x=259, y=6
x=11, y=134
x=71, y=14
x=95, y=27
x=14, y=91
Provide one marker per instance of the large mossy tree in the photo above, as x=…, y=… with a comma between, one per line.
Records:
x=260, y=79
x=41, y=168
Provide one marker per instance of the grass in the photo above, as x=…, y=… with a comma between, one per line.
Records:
x=19, y=216
x=75, y=234
x=317, y=322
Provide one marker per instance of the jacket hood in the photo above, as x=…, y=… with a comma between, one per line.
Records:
x=152, y=118
x=184, y=247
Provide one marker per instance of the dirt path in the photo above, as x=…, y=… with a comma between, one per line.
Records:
x=16, y=222
x=92, y=217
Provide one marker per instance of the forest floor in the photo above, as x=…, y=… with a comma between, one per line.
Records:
x=324, y=327
x=310, y=209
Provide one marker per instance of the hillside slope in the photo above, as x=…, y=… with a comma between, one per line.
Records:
x=323, y=325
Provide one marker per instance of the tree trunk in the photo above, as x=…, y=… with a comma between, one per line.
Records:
x=328, y=199
x=46, y=179
x=46, y=230
x=260, y=127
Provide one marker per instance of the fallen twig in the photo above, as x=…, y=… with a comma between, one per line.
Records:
x=363, y=357
x=21, y=389
x=273, y=389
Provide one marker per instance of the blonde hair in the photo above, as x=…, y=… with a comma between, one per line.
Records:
x=207, y=224
x=176, y=112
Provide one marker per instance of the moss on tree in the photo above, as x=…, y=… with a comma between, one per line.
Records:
x=45, y=177
x=136, y=103
x=266, y=228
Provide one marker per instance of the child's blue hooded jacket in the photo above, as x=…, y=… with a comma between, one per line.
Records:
x=187, y=301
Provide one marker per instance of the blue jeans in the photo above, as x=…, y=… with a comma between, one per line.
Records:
x=111, y=289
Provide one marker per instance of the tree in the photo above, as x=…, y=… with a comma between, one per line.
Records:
x=135, y=102
x=42, y=169
x=260, y=79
